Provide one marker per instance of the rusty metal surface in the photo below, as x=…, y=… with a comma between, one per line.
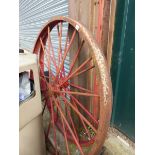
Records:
x=103, y=78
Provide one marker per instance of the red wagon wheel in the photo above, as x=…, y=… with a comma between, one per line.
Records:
x=68, y=58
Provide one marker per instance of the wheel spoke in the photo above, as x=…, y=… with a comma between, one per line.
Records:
x=80, y=88
x=85, y=110
x=60, y=40
x=72, y=123
x=75, y=93
x=51, y=57
x=83, y=71
x=49, y=62
x=67, y=38
x=63, y=70
x=78, y=113
x=65, y=54
x=42, y=77
x=83, y=123
x=51, y=47
x=81, y=66
x=59, y=45
x=43, y=48
x=48, y=67
x=68, y=126
x=76, y=56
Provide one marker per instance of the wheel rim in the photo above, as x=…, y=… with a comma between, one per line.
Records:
x=64, y=93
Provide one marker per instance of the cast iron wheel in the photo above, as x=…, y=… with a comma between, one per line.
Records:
x=79, y=103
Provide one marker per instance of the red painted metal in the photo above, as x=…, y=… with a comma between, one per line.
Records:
x=78, y=113
x=83, y=123
x=51, y=47
x=72, y=74
x=65, y=54
x=73, y=92
x=81, y=88
x=68, y=126
x=63, y=96
x=83, y=71
x=72, y=123
x=75, y=58
x=91, y=139
x=83, y=108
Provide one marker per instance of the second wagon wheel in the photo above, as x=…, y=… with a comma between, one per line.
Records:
x=79, y=108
